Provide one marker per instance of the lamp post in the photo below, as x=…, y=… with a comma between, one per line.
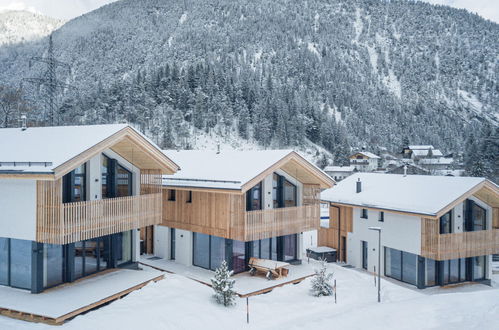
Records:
x=378, y=229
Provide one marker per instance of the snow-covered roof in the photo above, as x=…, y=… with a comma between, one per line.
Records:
x=421, y=194
x=40, y=150
x=367, y=154
x=436, y=161
x=421, y=147
x=229, y=169
x=425, y=152
x=339, y=168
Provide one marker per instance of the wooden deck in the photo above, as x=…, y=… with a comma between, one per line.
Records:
x=35, y=315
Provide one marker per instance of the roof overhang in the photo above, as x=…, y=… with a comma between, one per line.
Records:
x=299, y=168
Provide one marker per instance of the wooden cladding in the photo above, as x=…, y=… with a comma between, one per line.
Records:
x=340, y=224
x=63, y=223
x=456, y=245
x=223, y=215
x=495, y=217
x=311, y=194
x=150, y=182
x=262, y=224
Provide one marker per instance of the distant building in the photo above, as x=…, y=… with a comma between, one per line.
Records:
x=411, y=169
x=436, y=164
x=417, y=152
x=339, y=173
x=364, y=161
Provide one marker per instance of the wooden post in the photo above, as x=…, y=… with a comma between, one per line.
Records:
x=374, y=275
x=247, y=310
x=335, y=291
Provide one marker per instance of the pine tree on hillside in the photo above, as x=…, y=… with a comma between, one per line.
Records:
x=321, y=283
x=223, y=285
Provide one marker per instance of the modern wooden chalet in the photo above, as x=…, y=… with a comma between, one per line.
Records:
x=76, y=196
x=253, y=200
x=435, y=230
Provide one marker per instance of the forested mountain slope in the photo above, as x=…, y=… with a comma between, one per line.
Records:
x=337, y=73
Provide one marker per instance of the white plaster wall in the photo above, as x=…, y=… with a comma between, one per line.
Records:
x=136, y=245
x=458, y=219
x=401, y=232
x=183, y=247
x=18, y=209
x=162, y=242
x=94, y=186
x=267, y=199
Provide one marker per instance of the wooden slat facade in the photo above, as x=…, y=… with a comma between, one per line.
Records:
x=263, y=224
x=456, y=245
x=63, y=223
x=224, y=215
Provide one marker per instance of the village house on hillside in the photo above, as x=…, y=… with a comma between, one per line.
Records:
x=364, y=161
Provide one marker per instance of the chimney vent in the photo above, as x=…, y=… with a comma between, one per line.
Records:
x=359, y=186
x=218, y=148
x=405, y=170
x=24, y=123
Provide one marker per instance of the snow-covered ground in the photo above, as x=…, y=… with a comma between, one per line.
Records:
x=180, y=303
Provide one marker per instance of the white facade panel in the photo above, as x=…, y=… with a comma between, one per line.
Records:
x=18, y=209
x=162, y=242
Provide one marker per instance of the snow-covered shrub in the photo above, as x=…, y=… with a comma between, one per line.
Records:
x=321, y=283
x=223, y=285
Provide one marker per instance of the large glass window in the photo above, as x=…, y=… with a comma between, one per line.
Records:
x=217, y=252
x=254, y=198
x=79, y=259
x=91, y=259
x=265, y=248
x=125, y=242
x=454, y=270
x=409, y=268
x=255, y=249
x=105, y=176
x=20, y=263
x=201, y=256
x=79, y=186
x=52, y=265
x=124, y=182
x=431, y=272
x=289, y=247
x=4, y=261
x=273, y=250
x=276, y=191
x=478, y=267
x=289, y=194
x=446, y=223
x=238, y=256
x=475, y=216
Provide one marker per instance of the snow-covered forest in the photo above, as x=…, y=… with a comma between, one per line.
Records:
x=340, y=74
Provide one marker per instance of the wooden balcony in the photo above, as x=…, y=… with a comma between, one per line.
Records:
x=457, y=245
x=59, y=223
x=262, y=224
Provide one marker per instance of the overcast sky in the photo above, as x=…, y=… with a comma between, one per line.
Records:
x=67, y=9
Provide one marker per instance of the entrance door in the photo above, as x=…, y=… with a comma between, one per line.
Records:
x=146, y=240
x=343, y=249
x=364, y=255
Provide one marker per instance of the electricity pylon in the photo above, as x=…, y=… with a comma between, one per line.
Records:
x=49, y=80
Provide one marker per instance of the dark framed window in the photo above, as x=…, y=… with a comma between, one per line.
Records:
x=189, y=197
x=75, y=185
x=475, y=216
x=446, y=223
x=172, y=243
x=363, y=214
x=289, y=194
x=478, y=267
x=381, y=217
x=123, y=182
x=254, y=198
x=171, y=195
x=277, y=191
x=401, y=265
x=105, y=171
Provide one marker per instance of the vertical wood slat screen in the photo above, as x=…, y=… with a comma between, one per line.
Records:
x=261, y=224
x=59, y=223
x=311, y=194
x=456, y=245
x=150, y=181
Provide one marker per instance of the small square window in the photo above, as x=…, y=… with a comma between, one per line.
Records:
x=189, y=197
x=171, y=195
x=381, y=216
x=363, y=215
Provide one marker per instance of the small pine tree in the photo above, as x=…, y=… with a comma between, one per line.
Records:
x=223, y=285
x=321, y=283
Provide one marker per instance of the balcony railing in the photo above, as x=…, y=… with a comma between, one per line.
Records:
x=59, y=223
x=457, y=245
x=263, y=224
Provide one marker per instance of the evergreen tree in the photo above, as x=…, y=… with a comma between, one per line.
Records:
x=321, y=283
x=223, y=285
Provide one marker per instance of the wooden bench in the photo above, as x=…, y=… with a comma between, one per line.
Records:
x=272, y=269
